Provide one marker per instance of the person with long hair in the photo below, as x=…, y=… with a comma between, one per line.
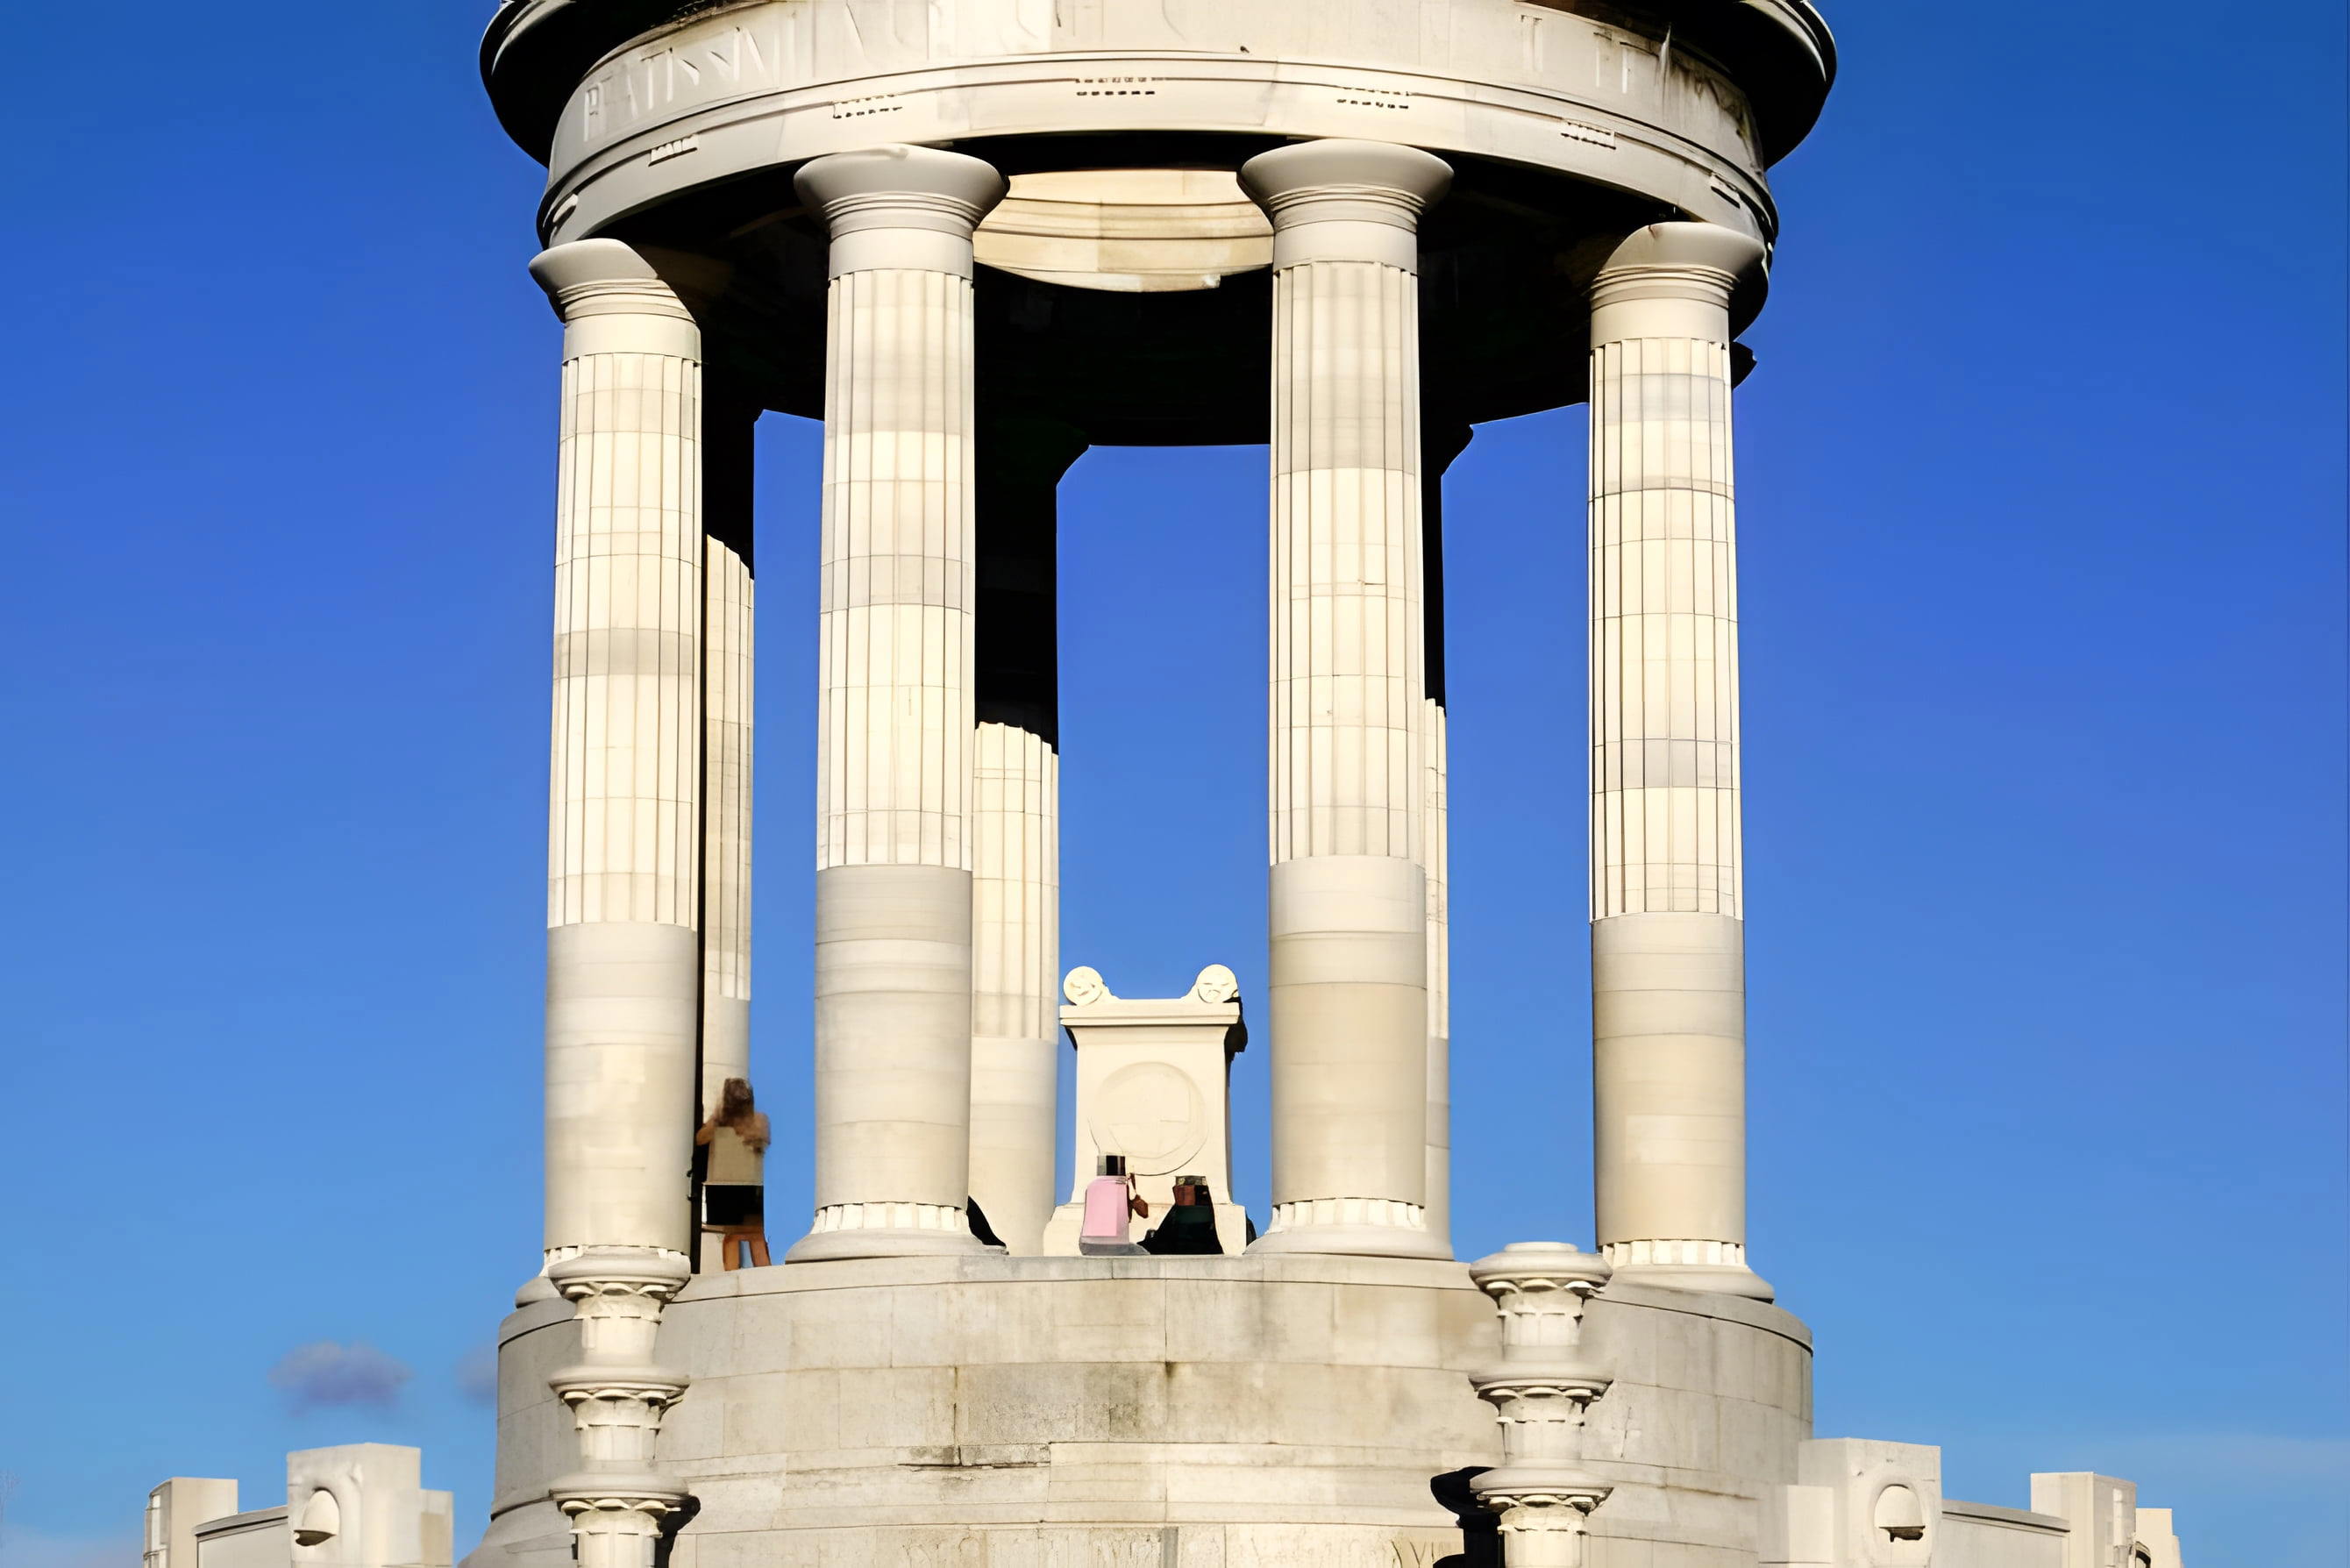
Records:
x=733, y=1176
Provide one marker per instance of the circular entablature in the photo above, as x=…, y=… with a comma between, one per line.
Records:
x=1779, y=52
x=1122, y=283
x=1135, y=351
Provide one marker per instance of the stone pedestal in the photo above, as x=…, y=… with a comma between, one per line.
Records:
x=1154, y=1085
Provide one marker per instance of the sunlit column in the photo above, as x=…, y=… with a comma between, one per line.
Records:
x=727, y=624
x=1668, y=965
x=893, y=935
x=1015, y=1047
x=1440, y=442
x=624, y=959
x=1348, y=905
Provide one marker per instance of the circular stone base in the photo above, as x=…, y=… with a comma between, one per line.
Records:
x=1284, y=1411
x=877, y=1241
x=1351, y=1241
x=1718, y=1279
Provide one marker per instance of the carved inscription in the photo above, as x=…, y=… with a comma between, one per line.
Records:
x=642, y=84
x=946, y=1551
x=853, y=45
x=1627, y=62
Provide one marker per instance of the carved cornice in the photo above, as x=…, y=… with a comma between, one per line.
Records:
x=619, y=1496
x=1779, y=52
x=1582, y=1385
x=620, y=1272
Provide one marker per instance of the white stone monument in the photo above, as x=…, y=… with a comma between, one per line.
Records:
x=975, y=238
x=1154, y=1087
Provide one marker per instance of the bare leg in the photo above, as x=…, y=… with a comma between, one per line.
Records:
x=758, y=1243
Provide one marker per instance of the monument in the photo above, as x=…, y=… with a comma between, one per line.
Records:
x=975, y=237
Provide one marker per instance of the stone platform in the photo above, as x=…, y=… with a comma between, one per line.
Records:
x=1291, y=1410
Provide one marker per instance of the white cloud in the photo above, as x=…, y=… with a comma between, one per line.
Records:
x=325, y=1374
x=477, y=1375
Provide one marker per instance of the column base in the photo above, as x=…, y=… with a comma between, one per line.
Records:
x=830, y=1246
x=1721, y=1279
x=885, y=1231
x=1350, y=1227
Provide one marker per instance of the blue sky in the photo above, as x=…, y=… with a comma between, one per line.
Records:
x=2041, y=486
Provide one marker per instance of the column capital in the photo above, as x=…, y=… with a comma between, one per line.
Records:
x=652, y=1273
x=1701, y=263
x=1531, y=1268
x=1306, y=182
x=896, y=186
x=1345, y=201
x=593, y=1492
x=603, y=277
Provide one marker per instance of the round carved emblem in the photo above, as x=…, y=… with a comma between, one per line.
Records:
x=1151, y=1113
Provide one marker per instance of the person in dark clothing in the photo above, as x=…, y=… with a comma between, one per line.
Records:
x=1189, y=1228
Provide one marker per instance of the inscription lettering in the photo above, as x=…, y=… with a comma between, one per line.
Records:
x=953, y=1552
x=660, y=78
x=729, y=56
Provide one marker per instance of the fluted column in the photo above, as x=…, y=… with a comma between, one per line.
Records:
x=1015, y=1043
x=624, y=961
x=727, y=623
x=1348, y=905
x=624, y=846
x=727, y=665
x=1667, y=950
x=893, y=938
x=1442, y=440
